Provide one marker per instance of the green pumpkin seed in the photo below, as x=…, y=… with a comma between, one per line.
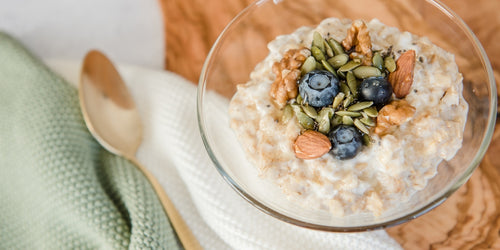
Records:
x=310, y=111
x=341, y=74
x=361, y=126
x=308, y=65
x=363, y=72
x=287, y=113
x=359, y=106
x=378, y=61
x=364, y=115
x=336, y=47
x=317, y=53
x=348, y=113
x=336, y=120
x=390, y=64
x=350, y=65
x=328, y=67
x=299, y=99
x=345, y=89
x=367, y=141
x=328, y=49
x=296, y=108
x=347, y=120
x=367, y=121
x=358, y=59
x=324, y=124
x=328, y=112
x=348, y=100
x=318, y=41
x=352, y=83
x=319, y=66
x=338, y=99
x=338, y=60
x=371, y=111
x=304, y=120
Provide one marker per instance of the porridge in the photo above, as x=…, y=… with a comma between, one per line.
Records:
x=349, y=116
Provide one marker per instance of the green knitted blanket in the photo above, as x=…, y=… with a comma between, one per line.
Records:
x=59, y=189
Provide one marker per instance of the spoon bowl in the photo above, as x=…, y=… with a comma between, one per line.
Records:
x=111, y=114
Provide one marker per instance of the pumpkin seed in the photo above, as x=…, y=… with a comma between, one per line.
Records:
x=371, y=111
x=361, y=126
x=338, y=60
x=347, y=120
x=317, y=53
x=287, y=113
x=352, y=83
x=341, y=74
x=310, y=111
x=324, y=124
x=363, y=72
x=336, y=47
x=367, y=121
x=329, y=67
x=345, y=89
x=350, y=65
x=378, y=61
x=299, y=99
x=328, y=49
x=348, y=113
x=359, y=106
x=319, y=66
x=390, y=64
x=338, y=99
x=367, y=141
x=304, y=120
x=296, y=108
x=348, y=100
x=308, y=65
x=326, y=112
x=318, y=41
x=364, y=115
x=336, y=120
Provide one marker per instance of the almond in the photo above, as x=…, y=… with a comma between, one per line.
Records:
x=402, y=78
x=311, y=144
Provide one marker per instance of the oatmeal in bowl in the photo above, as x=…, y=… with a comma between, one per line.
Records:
x=345, y=118
x=350, y=117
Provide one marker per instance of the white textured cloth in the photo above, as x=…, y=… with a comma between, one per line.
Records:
x=174, y=152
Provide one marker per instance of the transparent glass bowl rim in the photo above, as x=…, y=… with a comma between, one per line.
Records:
x=434, y=203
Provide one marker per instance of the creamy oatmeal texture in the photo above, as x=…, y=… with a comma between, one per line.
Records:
x=393, y=167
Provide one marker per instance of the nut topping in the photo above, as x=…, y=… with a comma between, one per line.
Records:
x=359, y=37
x=311, y=144
x=402, y=78
x=393, y=114
x=287, y=72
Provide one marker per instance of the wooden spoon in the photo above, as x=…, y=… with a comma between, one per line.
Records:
x=112, y=118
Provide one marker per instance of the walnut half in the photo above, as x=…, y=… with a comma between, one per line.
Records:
x=287, y=72
x=392, y=115
x=359, y=37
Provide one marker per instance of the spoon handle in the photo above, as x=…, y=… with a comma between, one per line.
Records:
x=185, y=235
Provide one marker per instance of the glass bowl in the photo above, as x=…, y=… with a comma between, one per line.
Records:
x=243, y=44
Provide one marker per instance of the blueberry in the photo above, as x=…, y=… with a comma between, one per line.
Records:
x=376, y=89
x=318, y=88
x=346, y=142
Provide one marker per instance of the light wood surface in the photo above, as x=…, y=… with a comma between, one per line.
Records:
x=470, y=218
